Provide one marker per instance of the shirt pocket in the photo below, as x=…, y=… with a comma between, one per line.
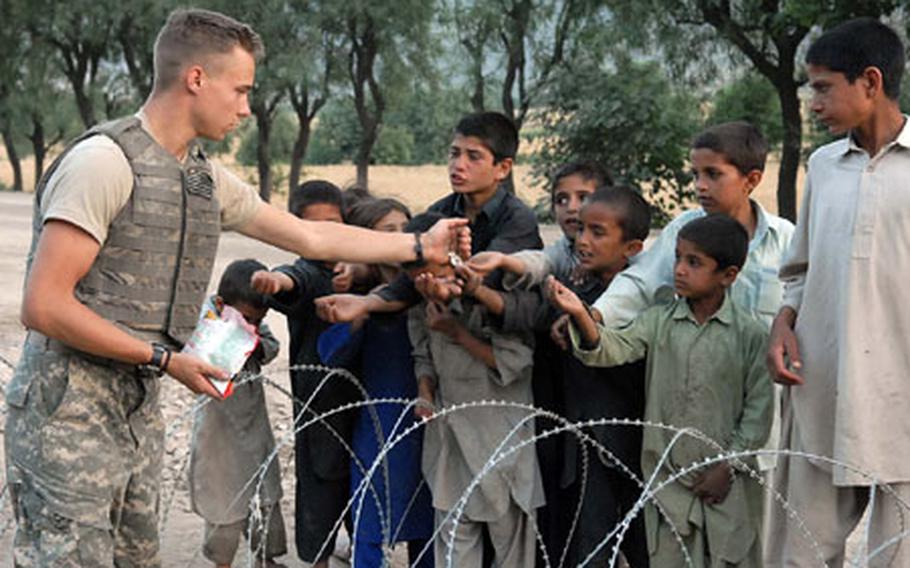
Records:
x=769, y=294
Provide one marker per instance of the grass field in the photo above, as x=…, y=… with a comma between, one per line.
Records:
x=417, y=186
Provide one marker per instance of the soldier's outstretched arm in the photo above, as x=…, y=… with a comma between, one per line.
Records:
x=333, y=241
x=64, y=255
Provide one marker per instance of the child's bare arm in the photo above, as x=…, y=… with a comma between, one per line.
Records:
x=440, y=319
x=472, y=284
x=567, y=301
x=426, y=394
x=488, y=261
x=268, y=282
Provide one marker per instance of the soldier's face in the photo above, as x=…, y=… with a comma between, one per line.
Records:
x=222, y=98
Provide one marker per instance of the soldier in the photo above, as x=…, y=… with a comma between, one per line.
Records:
x=126, y=227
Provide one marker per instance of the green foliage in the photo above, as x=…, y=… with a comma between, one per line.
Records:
x=629, y=119
x=284, y=129
x=751, y=98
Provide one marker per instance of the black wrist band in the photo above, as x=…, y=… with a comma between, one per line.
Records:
x=418, y=253
x=161, y=356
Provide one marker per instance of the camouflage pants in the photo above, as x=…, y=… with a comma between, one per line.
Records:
x=84, y=448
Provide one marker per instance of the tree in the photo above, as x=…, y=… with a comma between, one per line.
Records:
x=310, y=91
x=385, y=42
x=631, y=120
x=753, y=99
x=80, y=33
x=767, y=33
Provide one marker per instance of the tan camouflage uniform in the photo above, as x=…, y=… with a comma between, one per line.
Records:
x=84, y=435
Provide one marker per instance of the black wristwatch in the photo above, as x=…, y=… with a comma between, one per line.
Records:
x=161, y=357
x=418, y=254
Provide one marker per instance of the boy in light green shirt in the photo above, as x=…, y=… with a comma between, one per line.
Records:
x=705, y=371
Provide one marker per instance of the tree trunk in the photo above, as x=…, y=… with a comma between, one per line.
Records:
x=791, y=150
x=298, y=152
x=84, y=104
x=362, y=159
x=39, y=148
x=263, y=158
x=13, y=158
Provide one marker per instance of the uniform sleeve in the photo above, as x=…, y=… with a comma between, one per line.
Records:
x=618, y=346
x=755, y=423
x=647, y=281
x=795, y=263
x=90, y=186
x=239, y=200
x=420, y=343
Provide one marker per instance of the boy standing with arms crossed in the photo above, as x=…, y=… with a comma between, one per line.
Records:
x=704, y=371
x=840, y=338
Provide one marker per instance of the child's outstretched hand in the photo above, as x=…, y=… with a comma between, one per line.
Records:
x=343, y=277
x=563, y=298
x=559, y=332
x=713, y=484
x=341, y=307
x=469, y=279
x=435, y=289
x=268, y=282
x=425, y=406
x=486, y=262
x=440, y=319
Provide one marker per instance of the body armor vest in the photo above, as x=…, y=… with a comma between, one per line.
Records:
x=152, y=272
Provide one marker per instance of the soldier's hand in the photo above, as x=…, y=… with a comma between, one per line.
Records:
x=445, y=236
x=193, y=373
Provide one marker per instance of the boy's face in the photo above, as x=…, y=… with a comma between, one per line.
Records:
x=569, y=195
x=600, y=244
x=836, y=102
x=471, y=167
x=392, y=222
x=322, y=212
x=695, y=274
x=719, y=186
x=250, y=313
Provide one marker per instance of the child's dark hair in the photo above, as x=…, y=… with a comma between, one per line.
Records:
x=634, y=211
x=495, y=130
x=234, y=287
x=857, y=44
x=588, y=171
x=368, y=212
x=423, y=222
x=351, y=196
x=719, y=236
x=314, y=192
x=741, y=143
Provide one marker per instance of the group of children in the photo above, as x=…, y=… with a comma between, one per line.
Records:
x=530, y=406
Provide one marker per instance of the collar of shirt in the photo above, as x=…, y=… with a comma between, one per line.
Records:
x=489, y=209
x=723, y=315
x=902, y=139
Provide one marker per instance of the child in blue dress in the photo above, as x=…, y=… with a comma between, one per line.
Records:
x=379, y=352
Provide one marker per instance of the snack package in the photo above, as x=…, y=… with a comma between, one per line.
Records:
x=224, y=340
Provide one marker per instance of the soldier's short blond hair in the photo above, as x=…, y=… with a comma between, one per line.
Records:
x=191, y=35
